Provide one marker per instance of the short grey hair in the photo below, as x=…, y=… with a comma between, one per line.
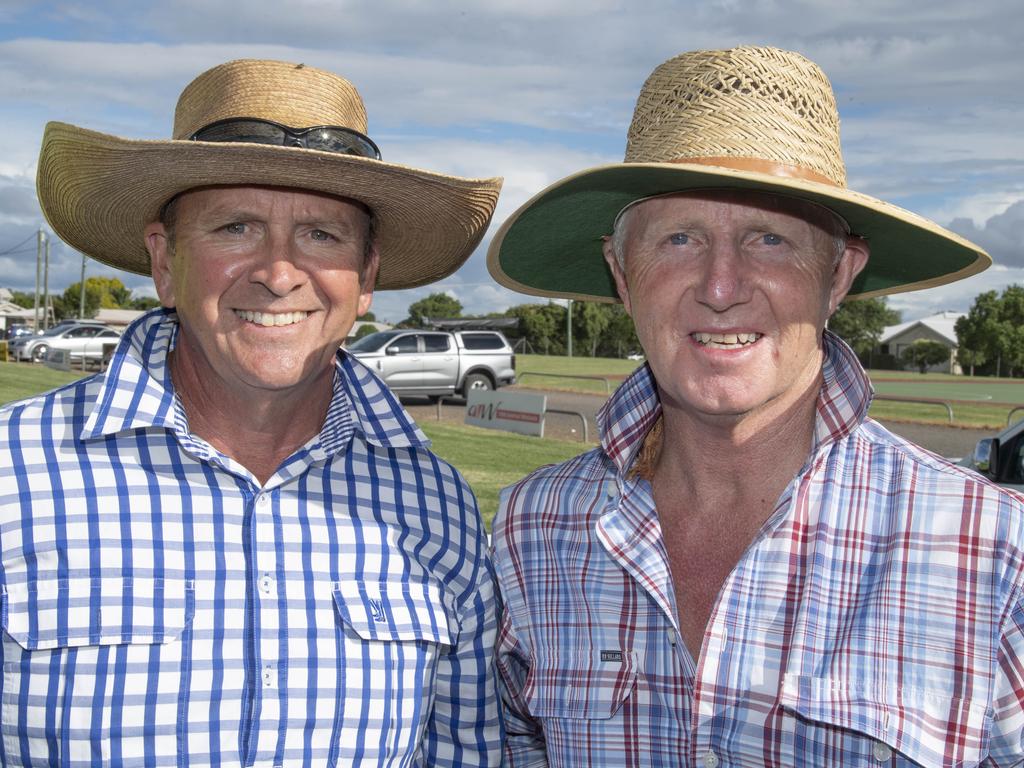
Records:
x=837, y=228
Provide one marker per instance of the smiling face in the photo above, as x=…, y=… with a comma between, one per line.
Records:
x=266, y=282
x=729, y=292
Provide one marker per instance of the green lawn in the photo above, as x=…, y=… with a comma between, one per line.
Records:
x=615, y=370
x=490, y=460
x=19, y=380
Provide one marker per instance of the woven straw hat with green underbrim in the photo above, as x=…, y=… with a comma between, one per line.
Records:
x=99, y=192
x=748, y=118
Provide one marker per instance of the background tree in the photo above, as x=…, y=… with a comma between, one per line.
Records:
x=23, y=299
x=542, y=326
x=364, y=330
x=860, y=324
x=619, y=336
x=926, y=352
x=144, y=303
x=589, y=320
x=100, y=292
x=436, y=306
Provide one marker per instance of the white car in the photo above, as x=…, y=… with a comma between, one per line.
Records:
x=85, y=339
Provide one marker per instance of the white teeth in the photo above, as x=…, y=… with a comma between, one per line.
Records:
x=269, y=319
x=725, y=340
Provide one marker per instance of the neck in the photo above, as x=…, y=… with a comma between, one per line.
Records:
x=736, y=462
x=258, y=428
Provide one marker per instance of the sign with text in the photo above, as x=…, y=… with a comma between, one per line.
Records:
x=510, y=411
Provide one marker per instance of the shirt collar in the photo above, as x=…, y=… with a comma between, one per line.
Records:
x=137, y=393
x=843, y=403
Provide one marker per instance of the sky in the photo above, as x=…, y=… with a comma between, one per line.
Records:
x=931, y=99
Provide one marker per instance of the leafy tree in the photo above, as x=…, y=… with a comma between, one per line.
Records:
x=926, y=352
x=23, y=299
x=100, y=292
x=434, y=306
x=860, y=323
x=368, y=316
x=619, y=336
x=144, y=303
x=542, y=325
x=589, y=320
x=365, y=330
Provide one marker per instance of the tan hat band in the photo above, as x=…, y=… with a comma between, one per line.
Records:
x=759, y=165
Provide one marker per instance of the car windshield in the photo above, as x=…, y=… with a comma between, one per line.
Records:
x=373, y=342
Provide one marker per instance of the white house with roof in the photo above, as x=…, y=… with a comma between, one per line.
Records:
x=938, y=327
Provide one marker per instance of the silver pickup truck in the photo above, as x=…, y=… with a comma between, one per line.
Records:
x=436, y=363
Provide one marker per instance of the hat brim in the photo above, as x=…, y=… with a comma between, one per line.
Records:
x=552, y=245
x=98, y=192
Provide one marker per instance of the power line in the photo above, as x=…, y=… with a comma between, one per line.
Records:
x=11, y=250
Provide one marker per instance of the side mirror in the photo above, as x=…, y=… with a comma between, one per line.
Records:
x=392, y=350
x=985, y=455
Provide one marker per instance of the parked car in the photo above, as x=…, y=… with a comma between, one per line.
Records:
x=436, y=363
x=16, y=330
x=79, y=339
x=1000, y=458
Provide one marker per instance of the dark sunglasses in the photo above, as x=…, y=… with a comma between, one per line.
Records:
x=254, y=130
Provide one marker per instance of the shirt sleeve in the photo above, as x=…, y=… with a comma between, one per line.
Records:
x=464, y=729
x=525, y=746
x=1006, y=741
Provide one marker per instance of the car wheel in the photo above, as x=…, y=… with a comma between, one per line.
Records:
x=39, y=353
x=476, y=381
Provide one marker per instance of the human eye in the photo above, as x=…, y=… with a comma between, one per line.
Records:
x=321, y=236
x=770, y=238
x=235, y=228
x=679, y=238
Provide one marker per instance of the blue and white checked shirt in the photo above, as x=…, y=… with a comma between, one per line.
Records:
x=160, y=608
x=876, y=620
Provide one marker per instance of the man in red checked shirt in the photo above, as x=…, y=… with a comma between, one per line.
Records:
x=748, y=571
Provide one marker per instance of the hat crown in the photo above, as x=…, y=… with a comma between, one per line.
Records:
x=747, y=104
x=291, y=94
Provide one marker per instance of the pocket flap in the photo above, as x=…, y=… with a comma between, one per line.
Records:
x=387, y=610
x=59, y=613
x=929, y=727
x=585, y=684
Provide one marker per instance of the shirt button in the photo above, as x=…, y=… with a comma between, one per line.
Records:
x=710, y=759
x=882, y=752
x=266, y=583
x=262, y=499
x=268, y=675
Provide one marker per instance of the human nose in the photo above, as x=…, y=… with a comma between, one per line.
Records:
x=278, y=266
x=723, y=281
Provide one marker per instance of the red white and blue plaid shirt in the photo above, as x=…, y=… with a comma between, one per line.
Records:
x=876, y=619
x=162, y=608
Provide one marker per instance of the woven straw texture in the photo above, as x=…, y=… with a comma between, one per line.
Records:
x=749, y=118
x=98, y=192
x=760, y=103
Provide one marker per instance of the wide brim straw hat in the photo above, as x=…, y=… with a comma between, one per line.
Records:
x=748, y=118
x=98, y=192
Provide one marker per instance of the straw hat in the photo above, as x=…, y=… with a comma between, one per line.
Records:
x=746, y=118
x=98, y=192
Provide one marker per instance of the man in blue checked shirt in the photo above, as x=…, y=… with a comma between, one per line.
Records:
x=233, y=547
x=749, y=571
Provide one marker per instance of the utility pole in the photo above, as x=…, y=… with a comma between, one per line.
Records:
x=40, y=237
x=568, y=327
x=81, y=294
x=46, y=283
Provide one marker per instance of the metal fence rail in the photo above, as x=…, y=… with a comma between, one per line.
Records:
x=582, y=418
x=920, y=401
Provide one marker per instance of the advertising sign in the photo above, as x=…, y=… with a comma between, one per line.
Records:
x=511, y=411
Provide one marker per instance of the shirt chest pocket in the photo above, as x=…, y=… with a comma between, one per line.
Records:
x=895, y=726
x=78, y=652
x=581, y=685
x=394, y=636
